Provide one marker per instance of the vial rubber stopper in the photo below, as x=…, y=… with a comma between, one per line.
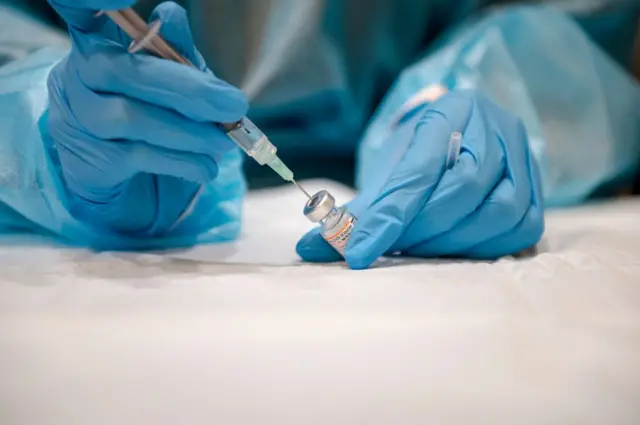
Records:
x=319, y=206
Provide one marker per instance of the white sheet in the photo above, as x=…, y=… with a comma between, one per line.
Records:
x=93, y=339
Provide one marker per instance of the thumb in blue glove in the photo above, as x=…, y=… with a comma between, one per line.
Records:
x=488, y=205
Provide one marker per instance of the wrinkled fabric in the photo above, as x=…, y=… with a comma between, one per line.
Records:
x=315, y=71
x=230, y=334
x=580, y=109
x=22, y=35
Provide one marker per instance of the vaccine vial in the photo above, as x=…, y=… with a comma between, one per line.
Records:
x=337, y=223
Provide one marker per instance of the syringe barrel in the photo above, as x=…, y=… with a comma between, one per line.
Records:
x=251, y=140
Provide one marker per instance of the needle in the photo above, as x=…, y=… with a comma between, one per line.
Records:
x=300, y=187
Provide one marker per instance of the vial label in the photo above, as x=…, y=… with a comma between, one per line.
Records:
x=338, y=240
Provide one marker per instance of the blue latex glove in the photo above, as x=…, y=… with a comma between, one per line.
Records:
x=134, y=133
x=489, y=204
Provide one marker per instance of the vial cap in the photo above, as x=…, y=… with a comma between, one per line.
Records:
x=319, y=206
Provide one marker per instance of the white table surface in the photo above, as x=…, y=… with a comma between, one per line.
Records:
x=241, y=334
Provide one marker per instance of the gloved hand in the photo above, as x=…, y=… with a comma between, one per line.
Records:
x=134, y=133
x=489, y=204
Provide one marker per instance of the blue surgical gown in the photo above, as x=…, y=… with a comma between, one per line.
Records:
x=315, y=71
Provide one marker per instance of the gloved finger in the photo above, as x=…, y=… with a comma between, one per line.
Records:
x=490, y=219
x=526, y=233
x=104, y=66
x=461, y=191
x=411, y=183
x=176, y=31
x=507, y=203
x=141, y=157
x=313, y=248
x=104, y=165
x=122, y=118
x=463, y=188
x=390, y=154
x=83, y=16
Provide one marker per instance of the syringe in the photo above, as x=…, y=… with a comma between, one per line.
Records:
x=244, y=132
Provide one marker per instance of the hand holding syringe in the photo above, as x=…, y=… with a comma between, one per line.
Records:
x=244, y=133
